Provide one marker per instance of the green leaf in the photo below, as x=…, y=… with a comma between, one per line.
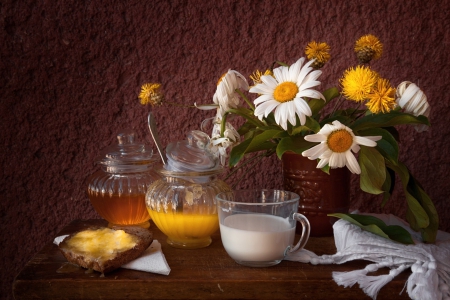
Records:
x=387, y=146
x=429, y=233
x=346, y=120
x=247, y=114
x=415, y=215
x=388, y=186
x=282, y=63
x=392, y=118
x=246, y=128
x=310, y=125
x=331, y=93
x=238, y=151
x=316, y=105
x=373, y=170
x=326, y=169
x=295, y=144
x=378, y=227
x=258, y=142
x=260, y=139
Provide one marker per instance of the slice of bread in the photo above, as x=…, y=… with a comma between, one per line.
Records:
x=105, y=249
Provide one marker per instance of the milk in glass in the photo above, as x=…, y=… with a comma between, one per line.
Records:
x=256, y=237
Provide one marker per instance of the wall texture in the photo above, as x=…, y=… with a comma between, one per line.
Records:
x=71, y=72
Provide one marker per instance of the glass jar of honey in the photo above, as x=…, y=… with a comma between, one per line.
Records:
x=183, y=206
x=182, y=203
x=117, y=190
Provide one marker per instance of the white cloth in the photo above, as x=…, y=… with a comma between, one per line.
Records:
x=152, y=260
x=429, y=263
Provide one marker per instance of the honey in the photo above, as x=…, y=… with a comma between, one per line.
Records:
x=117, y=190
x=121, y=209
x=186, y=230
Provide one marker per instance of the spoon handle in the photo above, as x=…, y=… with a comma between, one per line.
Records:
x=155, y=136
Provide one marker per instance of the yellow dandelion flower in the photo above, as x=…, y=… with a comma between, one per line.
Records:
x=368, y=47
x=357, y=83
x=151, y=94
x=382, y=98
x=256, y=76
x=318, y=51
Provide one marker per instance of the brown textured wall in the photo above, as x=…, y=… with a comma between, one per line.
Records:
x=71, y=72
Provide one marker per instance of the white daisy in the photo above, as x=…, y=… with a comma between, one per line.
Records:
x=225, y=95
x=336, y=143
x=284, y=92
x=219, y=144
x=412, y=100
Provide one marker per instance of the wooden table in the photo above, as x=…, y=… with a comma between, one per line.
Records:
x=207, y=273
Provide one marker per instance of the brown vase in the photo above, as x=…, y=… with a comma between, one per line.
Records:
x=320, y=193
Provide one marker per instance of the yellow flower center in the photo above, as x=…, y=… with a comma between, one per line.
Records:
x=221, y=77
x=285, y=91
x=340, y=141
x=369, y=42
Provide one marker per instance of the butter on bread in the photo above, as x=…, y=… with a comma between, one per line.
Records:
x=105, y=249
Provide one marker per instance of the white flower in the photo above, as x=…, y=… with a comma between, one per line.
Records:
x=225, y=95
x=206, y=106
x=219, y=144
x=285, y=92
x=336, y=143
x=413, y=101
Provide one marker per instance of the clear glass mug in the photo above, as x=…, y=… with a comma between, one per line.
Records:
x=257, y=227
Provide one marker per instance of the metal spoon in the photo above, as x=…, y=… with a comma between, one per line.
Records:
x=154, y=133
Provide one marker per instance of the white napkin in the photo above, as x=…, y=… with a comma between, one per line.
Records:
x=429, y=263
x=152, y=260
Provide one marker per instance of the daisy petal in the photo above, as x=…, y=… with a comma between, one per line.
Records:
x=311, y=94
x=263, y=98
x=280, y=116
x=316, y=138
x=367, y=141
x=352, y=164
x=206, y=106
x=322, y=163
x=294, y=71
x=315, y=152
x=266, y=108
x=269, y=81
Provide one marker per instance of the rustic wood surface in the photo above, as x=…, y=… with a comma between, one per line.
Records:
x=207, y=273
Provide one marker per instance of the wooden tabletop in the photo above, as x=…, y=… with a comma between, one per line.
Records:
x=207, y=273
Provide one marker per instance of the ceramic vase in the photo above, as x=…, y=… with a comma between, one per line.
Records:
x=320, y=193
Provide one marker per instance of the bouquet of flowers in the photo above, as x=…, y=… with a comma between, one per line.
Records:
x=289, y=113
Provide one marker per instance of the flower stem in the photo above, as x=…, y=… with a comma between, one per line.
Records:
x=223, y=124
x=249, y=103
x=336, y=106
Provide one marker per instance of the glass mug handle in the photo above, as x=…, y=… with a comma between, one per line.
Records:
x=305, y=233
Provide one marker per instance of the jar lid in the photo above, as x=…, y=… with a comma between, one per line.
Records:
x=127, y=154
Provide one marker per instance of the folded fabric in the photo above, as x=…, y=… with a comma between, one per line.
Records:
x=429, y=263
x=151, y=260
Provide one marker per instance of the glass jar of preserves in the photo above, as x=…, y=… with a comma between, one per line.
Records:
x=183, y=206
x=117, y=191
x=182, y=203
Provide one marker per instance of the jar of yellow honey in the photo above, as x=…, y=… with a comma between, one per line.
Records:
x=183, y=206
x=117, y=190
x=182, y=203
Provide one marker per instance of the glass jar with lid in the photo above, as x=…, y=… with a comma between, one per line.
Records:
x=117, y=191
x=182, y=203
